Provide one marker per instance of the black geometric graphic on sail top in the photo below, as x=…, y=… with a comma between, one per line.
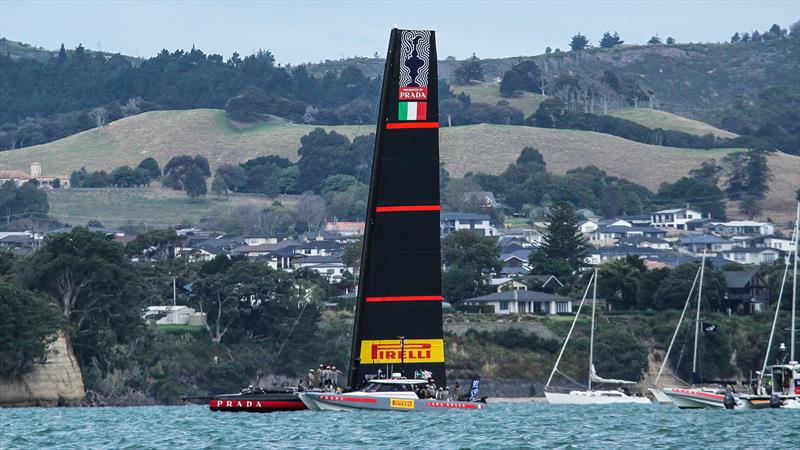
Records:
x=415, y=51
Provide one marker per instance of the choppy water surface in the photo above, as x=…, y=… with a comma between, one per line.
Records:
x=500, y=426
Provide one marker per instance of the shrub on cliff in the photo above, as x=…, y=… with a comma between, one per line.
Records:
x=28, y=323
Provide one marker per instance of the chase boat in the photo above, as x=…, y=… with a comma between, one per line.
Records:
x=394, y=394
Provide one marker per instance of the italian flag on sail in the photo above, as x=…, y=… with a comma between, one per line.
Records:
x=412, y=110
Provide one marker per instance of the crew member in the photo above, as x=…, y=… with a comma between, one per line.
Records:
x=311, y=378
x=431, y=389
x=457, y=393
x=335, y=376
x=319, y=375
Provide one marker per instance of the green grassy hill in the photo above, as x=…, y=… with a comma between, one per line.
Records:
x=474, y=148
x=489, y=93
x=653, y=118
x=153, y=206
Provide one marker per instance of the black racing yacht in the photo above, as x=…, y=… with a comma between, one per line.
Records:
x=257, y=400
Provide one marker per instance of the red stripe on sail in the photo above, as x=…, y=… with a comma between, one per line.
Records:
x=402, y=125
x=406, y=298
x=383, y=209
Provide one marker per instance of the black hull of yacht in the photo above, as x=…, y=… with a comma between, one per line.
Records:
x=262, y=402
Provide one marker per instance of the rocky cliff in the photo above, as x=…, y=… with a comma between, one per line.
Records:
x=58, y=382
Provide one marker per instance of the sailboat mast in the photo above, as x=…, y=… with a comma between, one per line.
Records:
x=697, y=320
x=793, y=335
x=591, y=333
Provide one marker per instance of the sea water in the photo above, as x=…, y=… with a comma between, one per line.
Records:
x=528, y=425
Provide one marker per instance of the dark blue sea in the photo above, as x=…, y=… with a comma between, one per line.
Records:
x=512, y=426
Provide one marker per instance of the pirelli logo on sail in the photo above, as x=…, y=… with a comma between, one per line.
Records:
x=393, y=351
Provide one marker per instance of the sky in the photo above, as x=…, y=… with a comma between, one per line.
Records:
x=311, y=31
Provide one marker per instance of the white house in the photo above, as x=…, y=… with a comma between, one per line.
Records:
x=673, y=218
x=19, y=177
x=520, y=301
x=587, y=226
x=260, y=240
x=330, y=267
x=478, y=223
x=752, y=255
x=742, y=227
x=778, y=242
x=174, y=315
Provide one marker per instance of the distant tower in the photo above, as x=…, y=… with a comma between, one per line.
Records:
x=36, y=170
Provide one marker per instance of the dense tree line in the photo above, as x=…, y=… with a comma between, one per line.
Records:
x=22, y=201
x=553, y=113
x=123, y=176
x=527, y=183
x=48, y=100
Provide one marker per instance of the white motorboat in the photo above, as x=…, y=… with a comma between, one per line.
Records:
x=590, y=396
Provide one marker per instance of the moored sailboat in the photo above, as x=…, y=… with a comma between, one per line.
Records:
x=778, y=385
x=696, y=397
x=589, y=396
x=398, y=320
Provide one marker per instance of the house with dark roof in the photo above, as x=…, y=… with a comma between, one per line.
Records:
x=547, y=283
x=599, y=255
x=747, y=291
x=674, y=218
x=524, y=302
x=477, y=223
x=708, y=243
x=616, y=232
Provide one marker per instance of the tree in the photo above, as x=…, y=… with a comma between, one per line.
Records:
x=150, y=165
x=234, y=176
x=608, y=40
x=469, y=260
x=311, y=210
x=674, y=288
x=21, y=201
x=28, y=324
x=100, y=115
x=218, y=186
x=351, y=256
x=794, y=30
x=756, y=37
x=705, y=196
x=187, y=173
x=324, y=154
x=745, y=37
x=670, y=40
x=578, y=42
x=124, y=176
x=469, y=70
x=154, y=245
x=194, y=183
x=750, y=206
x=735, y=38
x=523, y=77
x=96, y=290
x=655, y=40
x=563, y=247
x=708, y=172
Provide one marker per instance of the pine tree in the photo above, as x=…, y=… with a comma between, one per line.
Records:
x=655, y=40
x=609, y=40
x=578, y=42
x=62, y=54
x=563, y=249
x=670, y=40
x=735, y=38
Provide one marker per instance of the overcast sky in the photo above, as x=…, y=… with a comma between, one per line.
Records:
x=298, y=32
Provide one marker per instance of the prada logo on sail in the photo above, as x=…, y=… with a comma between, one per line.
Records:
x=392, y=351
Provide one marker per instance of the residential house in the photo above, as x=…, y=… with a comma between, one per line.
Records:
x=521, y=301
x=673, y=218
x=587, y=226
x=516, y=258
x=747, y=292
x=547, y=283
x=319, y=248
x=19, y=178
x=345, y=228
x=484, y=198
x=599, y=255
x=478, y=223
x=781, y=243
x=645, y=242
x=330, y=267
x=174, y=315
x=609, y=235
x=752, y=255
x=19, y=243
x=636, y=220
x=260, y=239
x=587, y=214
x=529, y=235
x=741, y=227
x=710, y=244
x=507, y=284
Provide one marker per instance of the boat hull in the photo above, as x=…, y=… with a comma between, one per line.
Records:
x=345, y=402
x=557, y=398
x=694, y=398
x=261, y=402
x=660, y=396
x=763, y=401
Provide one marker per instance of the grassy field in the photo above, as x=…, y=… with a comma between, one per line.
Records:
x=489, y=93
x=653, y=118
x=154, y=207
x=474, y=148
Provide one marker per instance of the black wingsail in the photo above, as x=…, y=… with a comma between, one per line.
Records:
x=398, y=321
